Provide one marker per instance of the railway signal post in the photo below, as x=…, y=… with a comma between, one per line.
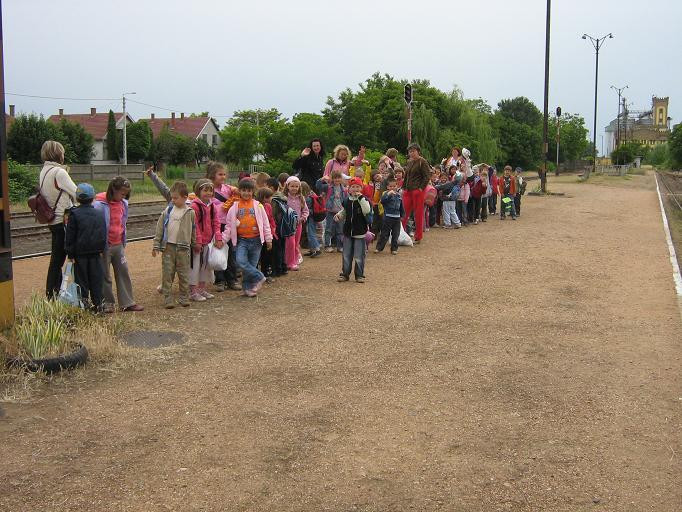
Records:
x=6, y=285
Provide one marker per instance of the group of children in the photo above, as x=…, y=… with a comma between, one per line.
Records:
x=258, y=225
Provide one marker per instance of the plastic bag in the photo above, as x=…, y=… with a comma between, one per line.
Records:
x=217, y=258
x=70, y=292
x=403, y=238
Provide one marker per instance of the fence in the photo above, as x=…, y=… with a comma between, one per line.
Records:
x=613, y=170
x=234, y=172
x=87, y=172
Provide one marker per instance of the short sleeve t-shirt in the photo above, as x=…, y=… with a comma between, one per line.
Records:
x=116, y=226
x=174, y=223
x=246, y=213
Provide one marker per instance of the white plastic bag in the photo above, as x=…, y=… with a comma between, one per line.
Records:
x=403, y=238
x=70, y=292
x=217, y=258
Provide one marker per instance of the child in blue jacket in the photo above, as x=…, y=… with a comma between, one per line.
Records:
x=393, y=212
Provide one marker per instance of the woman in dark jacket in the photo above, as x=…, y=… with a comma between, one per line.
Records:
x=310, y=165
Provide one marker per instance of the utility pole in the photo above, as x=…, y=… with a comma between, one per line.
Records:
x=545, y=122
x=558, y=124
x=6, y=283
x=619, y=90
x=597, y=42
x=125, y=122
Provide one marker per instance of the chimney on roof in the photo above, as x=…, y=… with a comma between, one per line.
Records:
x=182, y=115
x=93, y=111
x=61, y=112
x=172, y=118
x=11, y=110
x=152, y=116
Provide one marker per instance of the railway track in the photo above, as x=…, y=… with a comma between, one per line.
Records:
x=41, y=230
x=672, y=183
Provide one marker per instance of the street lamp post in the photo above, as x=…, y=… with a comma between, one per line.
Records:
x=545, y=121
x=597, y=43
x=125, y=122
x=619, y=90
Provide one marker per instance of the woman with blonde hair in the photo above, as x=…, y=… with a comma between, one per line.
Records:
x=59, y=190
x=340, y=161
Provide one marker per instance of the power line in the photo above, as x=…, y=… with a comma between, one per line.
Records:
x=60, y=98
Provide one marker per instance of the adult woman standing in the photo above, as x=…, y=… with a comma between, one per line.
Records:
x=454, y=158
x=417, y=176
x=58, y=189
x=310, y=165
x=340, y=162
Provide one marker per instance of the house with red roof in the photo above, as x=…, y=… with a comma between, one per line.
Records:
x=95, y=123
x=194, y=127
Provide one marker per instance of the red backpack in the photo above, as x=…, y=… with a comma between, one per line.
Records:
x=319, y=210
x=42, y=211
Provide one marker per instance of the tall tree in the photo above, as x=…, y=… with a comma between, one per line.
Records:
x=112, y=137
x=675, y=146
x=27, y=135
x=138, y=141
x=80, y=142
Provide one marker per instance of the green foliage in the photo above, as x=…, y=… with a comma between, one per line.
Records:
x=202, y=150
x=138, y=141
x=80, y=143
x=675, y=147
x=174, y=172
x=626, y=153
x=573, y=142
x=43, y=326
x=172, y=148
x=112, y=137
x=27, y=135
x=520, y=143
x=238, y=143
x=658, y=156
x=22, y=181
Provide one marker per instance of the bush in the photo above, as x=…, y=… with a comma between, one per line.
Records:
x=22, y=181
x=174, y=172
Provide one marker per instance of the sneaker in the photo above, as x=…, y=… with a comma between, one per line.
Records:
x=233, y=286
x=108, y=309
x=309, y=253
x=168, y=303
x=328, y=249
x=133, y=309
x=300, y=259
x=376, y=251
x=339, y=249
x=258, y=285
x=184, y=302
x=394, y=253
x=250, y=293
x=159, y=289
x=294, y=268
x=484, y=220
x=220, y=287
x=457, y=226
x=197, y=297
x=316, y=254
x=269, y=280
x=206, y=294
x=360, y=279
x=513, y=218
x=342, y=278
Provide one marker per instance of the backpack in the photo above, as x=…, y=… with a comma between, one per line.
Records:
x=319, y=212
x=522, y=189
x=289, y=222
x=454, y=193
x=40, y=208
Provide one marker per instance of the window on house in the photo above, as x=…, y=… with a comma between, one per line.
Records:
x=215, y=140
x=205, y=137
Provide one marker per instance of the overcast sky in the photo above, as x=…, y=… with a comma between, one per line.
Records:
x=223, y=56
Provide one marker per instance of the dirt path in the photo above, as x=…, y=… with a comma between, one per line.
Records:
x=529, y=365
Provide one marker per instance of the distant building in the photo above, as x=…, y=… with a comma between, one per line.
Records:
x=9, y=118
x=647, y=127
x=95, y=123
x=194, y=127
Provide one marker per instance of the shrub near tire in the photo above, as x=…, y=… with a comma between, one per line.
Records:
x=52, y=364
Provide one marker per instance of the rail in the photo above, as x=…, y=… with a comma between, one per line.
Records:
x=662, y=179
x=47, y=253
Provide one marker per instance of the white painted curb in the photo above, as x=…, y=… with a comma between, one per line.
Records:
x=677, y=278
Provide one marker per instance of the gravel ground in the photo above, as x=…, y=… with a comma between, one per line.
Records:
x=529, y=365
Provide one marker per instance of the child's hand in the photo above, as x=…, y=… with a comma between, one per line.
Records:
x=154, y=253
x=327, y=178
x=336, y=218
x=219, y=244
x=149, y=170
x=268, y=245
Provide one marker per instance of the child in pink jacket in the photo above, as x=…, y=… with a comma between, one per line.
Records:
x=248, y=227
x=208, y=231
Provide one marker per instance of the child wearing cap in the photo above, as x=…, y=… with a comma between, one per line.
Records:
x=85, y=241
x=354, y=213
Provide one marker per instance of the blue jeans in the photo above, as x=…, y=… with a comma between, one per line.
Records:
x=311, y=230
x=248, y=254
x=333, y=230
x=354, y=249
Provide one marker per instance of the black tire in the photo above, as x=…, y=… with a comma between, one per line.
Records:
x=52, y=364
